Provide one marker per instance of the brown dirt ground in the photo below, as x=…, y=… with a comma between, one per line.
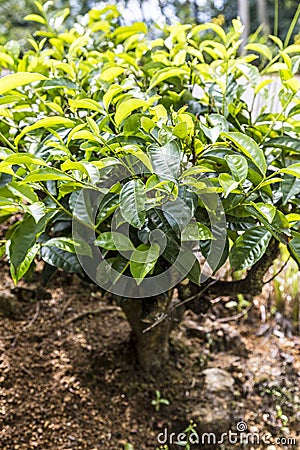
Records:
x=74, y=384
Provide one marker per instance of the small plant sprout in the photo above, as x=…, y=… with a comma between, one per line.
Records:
x=189, y=431
x=128, y=446
x=284, y=419
x=159, y=401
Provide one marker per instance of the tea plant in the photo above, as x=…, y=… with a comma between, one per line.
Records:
x=123, y=158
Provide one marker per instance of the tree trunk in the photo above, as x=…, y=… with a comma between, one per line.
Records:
x=151, y=335
x=244, y=13
x=263, y=15
x=152, y=346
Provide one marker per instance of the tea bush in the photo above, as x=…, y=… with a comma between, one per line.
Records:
x=102, y=127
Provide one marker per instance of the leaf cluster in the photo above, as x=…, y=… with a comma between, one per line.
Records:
x=143, y=123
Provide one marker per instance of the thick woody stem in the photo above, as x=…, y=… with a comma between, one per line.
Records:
x=152, y=347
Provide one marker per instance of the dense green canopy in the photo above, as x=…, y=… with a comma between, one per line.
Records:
x=160, y=132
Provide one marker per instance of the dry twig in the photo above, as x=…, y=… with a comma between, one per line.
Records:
x=92, y=312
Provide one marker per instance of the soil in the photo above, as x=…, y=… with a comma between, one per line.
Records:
x=69, y=377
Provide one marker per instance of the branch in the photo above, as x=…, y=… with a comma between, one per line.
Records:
x=91, y=312
x=252, y=284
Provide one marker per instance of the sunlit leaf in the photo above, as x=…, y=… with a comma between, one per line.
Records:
x=45, y=123
x=18, y=79
x=125, y=108
x=165, y=74
x=249, y=148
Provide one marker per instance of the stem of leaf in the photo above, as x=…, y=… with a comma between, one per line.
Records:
x=277, y=117
x=156, y=140
x=66, y=211
x=7, y=142
x=270, y=64
x=292, y=27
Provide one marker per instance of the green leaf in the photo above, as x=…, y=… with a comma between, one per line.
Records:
x=73, y=165
x=6, y=169
x=111, y=73
x=107, y=206
x=143, y=260
x=24, y=237
x=293, y=170
x=60, y=83
x=22, y=158
x=18, y=272
x=77, y=45
x=139, y=154
x=47, y=122
x=262, y=49
x=85, y=135
x=35, y=18
x=294, y=247
x=85, y=103
x=46, y=175
x=164, y=74
x=213, y=26
x=112, y=240
x=61, y=259
x=284, y=142
x=250, y=72
x=110, y=94
x=94, y=126
x=117, y=266
x=273, y=220
x=249, y=248
x=290, y=187
x=195, y=170
x=23, y=191
x=147, y=124
x=124, y=32
x=249, y=148
x=270, y=181
x=293, y=48
x=66, y=244
x=212, y=133
x=293, y=217
x=70, y=245
x=2, y=250
x=18, y=79
x=166, y=160
x=37, y=210
x=261, y=85
x=4, y=57
x=132, y=203
x=125, y=108
x=257, y=179
x=196, y=231
x=180, y=130
x=228, y=184
x=128, y=446
x=179, y=212
x=238, y=167
x=266, y=210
